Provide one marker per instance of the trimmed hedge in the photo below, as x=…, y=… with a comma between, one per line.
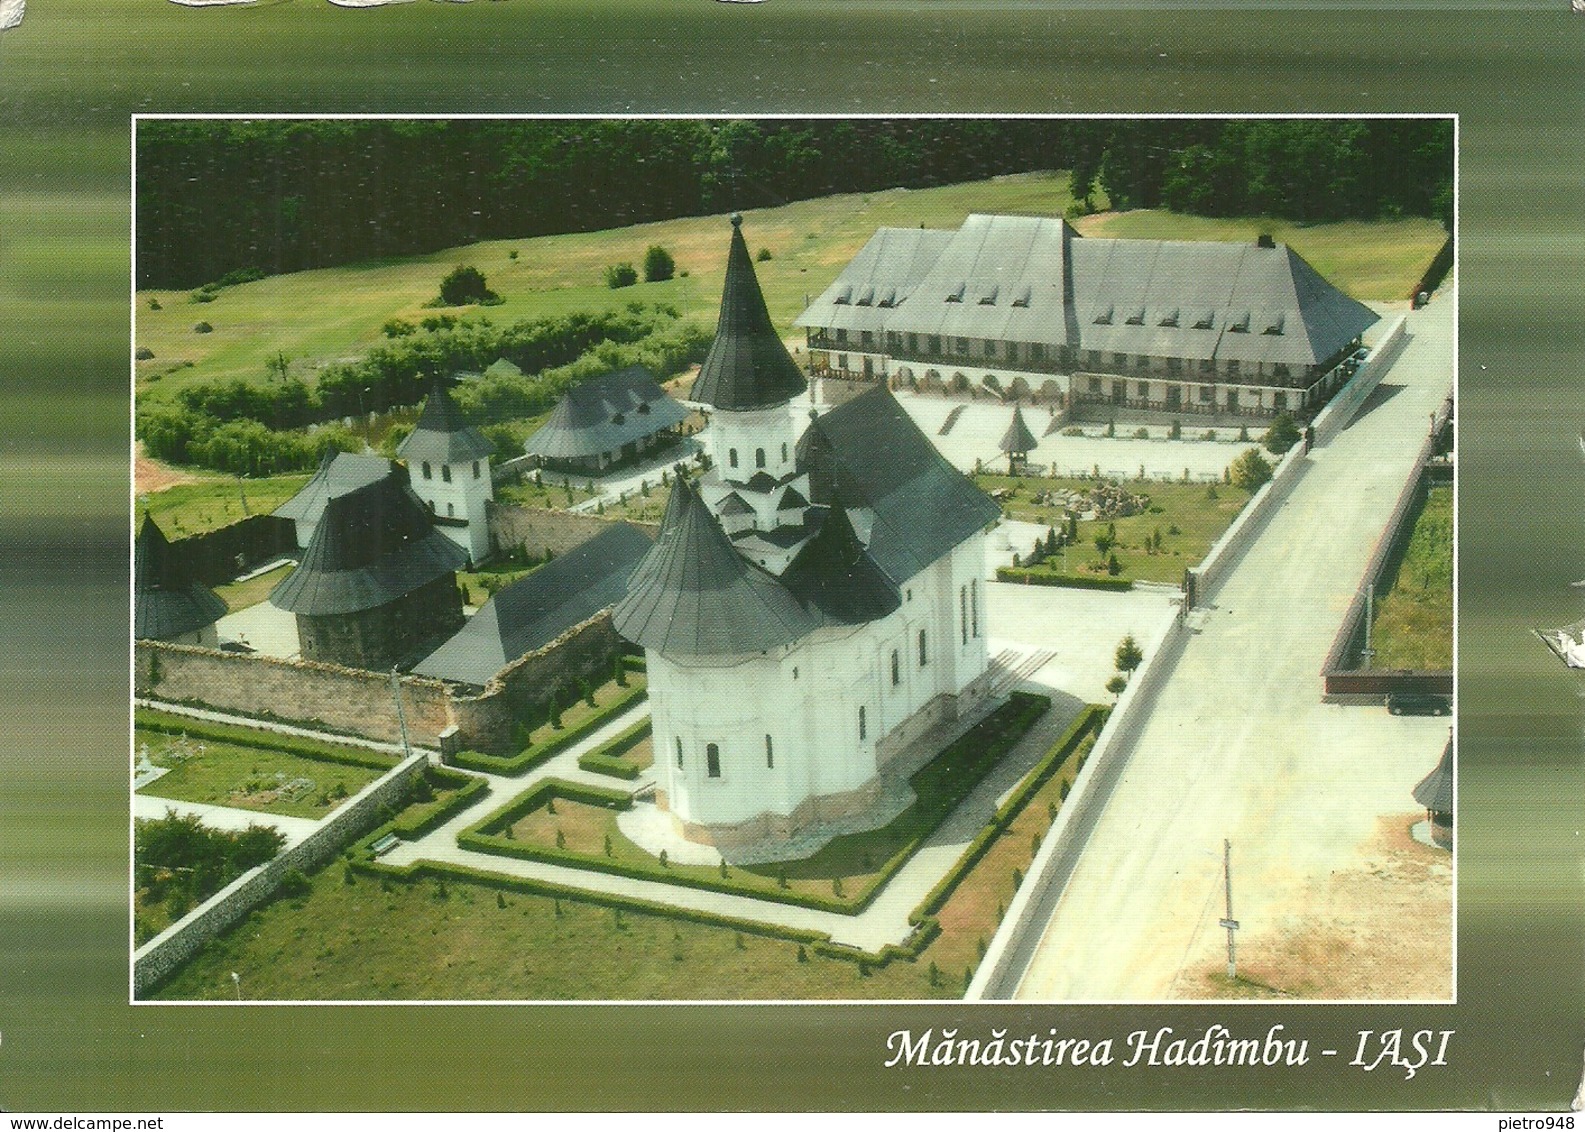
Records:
x=167, y=724
x=960, y=766
x=422, y=817
x=606, y=758
x=1073, y=581
x=531, y=757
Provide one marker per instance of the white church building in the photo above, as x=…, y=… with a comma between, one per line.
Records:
x=813, y=607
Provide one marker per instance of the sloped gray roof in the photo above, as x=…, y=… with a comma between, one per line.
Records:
x=1017, y=438
x=836, y=580
x=338, y=473
x=169, y=601
x=604, y=413
x=1033, y=279
x=533, y=611
x=1435, y=791
x=872, y=456
x=441, y=435
x=747, y=367
x=372, y=546
x=694, y=595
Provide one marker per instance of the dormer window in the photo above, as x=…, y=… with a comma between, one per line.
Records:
x=619, y=418
x=889, y=299
x=1241, y=325
x=1274, y=326
x=643, y=408
x=1137, y=318
x=956, y=294
x=1207, y=321
x=866, y=298
x=988, y=297
x=843, y=297
x=1170, y=318
x=1104, y=318
x=1022, y=299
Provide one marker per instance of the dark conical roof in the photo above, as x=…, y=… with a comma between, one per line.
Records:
x=441, y=435
x=747, y=366
x=1017, y=438
x=694, y=595
x=834, y=577
x=372, y=546
x=170, y=602
x=1435, y=791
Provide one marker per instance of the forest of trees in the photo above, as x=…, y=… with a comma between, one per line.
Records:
x=214, y=197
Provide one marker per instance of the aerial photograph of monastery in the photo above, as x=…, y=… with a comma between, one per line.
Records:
x=775, y=560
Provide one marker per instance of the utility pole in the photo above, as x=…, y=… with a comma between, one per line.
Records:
x=1228, y=922
x=1370, y=601
x=401, y=718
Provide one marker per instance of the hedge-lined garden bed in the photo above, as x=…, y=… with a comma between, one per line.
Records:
x=568, y=824
x=577, y=721
x=1027, y=577
x=623, y=757
x=150, y=719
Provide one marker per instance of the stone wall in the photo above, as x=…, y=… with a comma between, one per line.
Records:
x=401, y=631
x=537, y=529
x=342, y=699
x=220, y=555
x=519, y=691
x=171, y=948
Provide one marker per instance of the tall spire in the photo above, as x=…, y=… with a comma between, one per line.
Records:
x=441, y=434
x=747, y=367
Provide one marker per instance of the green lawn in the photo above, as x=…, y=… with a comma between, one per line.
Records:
x=245, y=595
x=250, y=778
x=555, y=491
x=1198, y=514
x=1368, y=259
x=809, y=242
x=1413, y=627
x=427, y=939
x=216, y=501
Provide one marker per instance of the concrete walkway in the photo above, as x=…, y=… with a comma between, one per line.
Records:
x=223, y=817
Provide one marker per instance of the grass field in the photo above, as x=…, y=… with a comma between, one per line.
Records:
x=1414, y=616
x=1198, y=515
x=245, y=595
x=248, y=778
x=375, y=939
x=187, y=509
x=809, y=242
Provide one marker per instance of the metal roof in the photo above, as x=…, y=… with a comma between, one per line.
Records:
x=1036, y=280
x=338, y=473
x=535, y=610
x=872, y=456
x=372, y=546
x=747, y=367
x=169, y=601
x=442, y=436
x=834, y=578
x=1435, y=791
x=604, y=413
x=1017, y=438
x=694, y=595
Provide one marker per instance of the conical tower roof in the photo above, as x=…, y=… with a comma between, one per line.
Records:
x=835, y=578
x=1017, y=438
x=441, y=435
x=372, y=546
x=747, y=366
x=170, y=602
x=1435, y=791
x=695, y=595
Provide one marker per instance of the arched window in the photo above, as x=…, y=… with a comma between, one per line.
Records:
x=924, y=657
x=451, y=510
x=679, y=752
x=445, y=472
x=897, y=676
x=974, y=607
x=427, y=474
x=476, y=469
x=963, y=612
x=770, y=753
x=712, y=760
x=784, y=453
x=759, y=457
x=862, y=728
x=731, y=457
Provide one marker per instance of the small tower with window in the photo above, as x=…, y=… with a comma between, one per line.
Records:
x=448, y=465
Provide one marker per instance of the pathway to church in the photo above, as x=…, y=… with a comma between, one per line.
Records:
x=1240, y=746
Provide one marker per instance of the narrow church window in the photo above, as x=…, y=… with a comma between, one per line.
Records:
x=770, y=754
x=923, y=655
x=679, y=752
x=963, y=612
x=445, y=472
x=896, y=671
x=731, y=457
x=974, y=606
x=451, y=510
x=862, y=731
x=476, y=469
x=759, y=457
x=427, y=474
x=784, y=453
x=712, y=760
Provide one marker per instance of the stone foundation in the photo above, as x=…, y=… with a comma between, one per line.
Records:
x=769, y=827
x=378, y=639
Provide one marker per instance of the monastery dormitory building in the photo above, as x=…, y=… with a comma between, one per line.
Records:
x=1026, y=306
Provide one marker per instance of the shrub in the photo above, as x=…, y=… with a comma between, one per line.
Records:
x=1141, y=434
x=154, y=305
x=1129, y=655
x=764, y=255
x=294, y=883
x=658, y=265
x=620, y=275
x=1250, y=470
x=465, y=285
x=1282, y=435
x=144, y=354
x=398, y=328
x=1176, y=431
x=203, y=328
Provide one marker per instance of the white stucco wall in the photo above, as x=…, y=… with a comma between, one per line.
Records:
x=463, y=498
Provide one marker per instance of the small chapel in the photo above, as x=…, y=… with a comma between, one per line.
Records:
x=813, y=607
